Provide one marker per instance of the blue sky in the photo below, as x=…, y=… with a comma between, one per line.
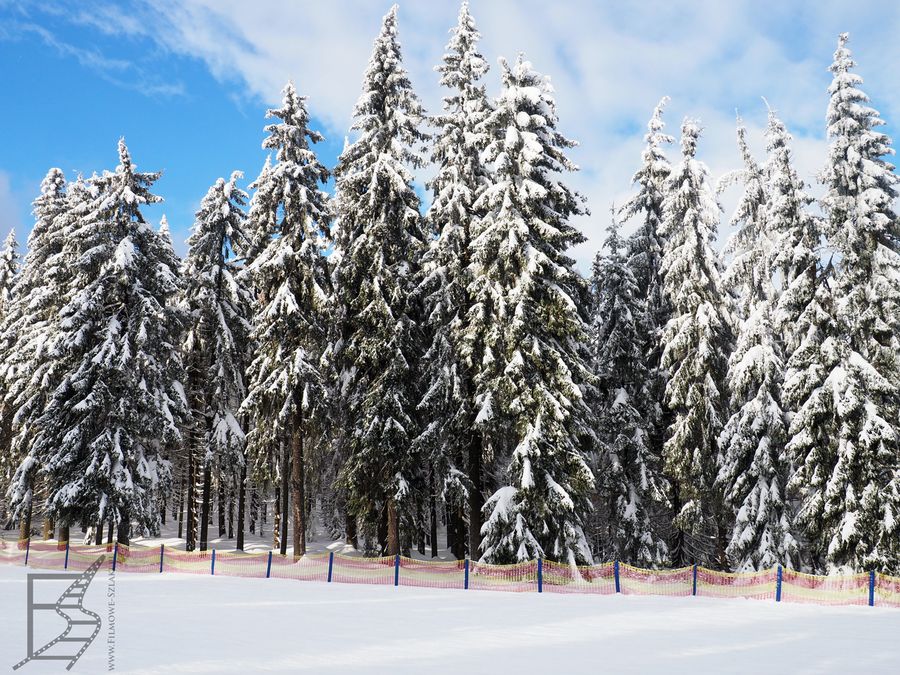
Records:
x=187, y=83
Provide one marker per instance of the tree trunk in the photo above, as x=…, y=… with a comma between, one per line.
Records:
x=476, y=498
x=298, y=497
x=63, y=536
x=434, y=526
x=350, y=530
x=231, y=508
x=276, y=520
x=204, y=511
x=98, y=534
x=421, y=529
x=25, y=521
x=181, y=510
x=285, y=495
x=124, y=530
x=393, y=529
x=221, y=504
x=191, y=506
x=254, y=505
x=242, y=490
x=47, y=532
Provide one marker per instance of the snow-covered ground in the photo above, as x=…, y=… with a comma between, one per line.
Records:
x=196, y=624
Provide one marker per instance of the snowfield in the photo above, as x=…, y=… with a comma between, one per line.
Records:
x=199, y=624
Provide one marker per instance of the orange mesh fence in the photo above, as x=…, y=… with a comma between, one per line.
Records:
x=809, y=588
x=521, y=577
x=758, y=585
x=238, y=564
x=887, y=591
x=637, y=581
x=139, y=559
x=186, y=562
x=311, y=567
x=12, y=551
x=349, y=570
x=47, y=555
x=432, y=573
x=82, y=556
x=562, y=578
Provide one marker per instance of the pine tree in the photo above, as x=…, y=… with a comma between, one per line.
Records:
x=850, y=488
x=287, y=392
x=380, y=243
x=754, y=467
x=528, y=321
x=28, y=330
x=117, y=405
x=448, y=440
x=631, y=487
x=697, y=341
x=216, y=342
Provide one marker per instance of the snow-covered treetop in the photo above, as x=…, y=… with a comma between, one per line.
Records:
x=655, y=166
x=125, y=190
x=9, y=266
x=388, y=113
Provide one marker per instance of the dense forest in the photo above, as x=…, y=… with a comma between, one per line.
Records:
x=391, y=365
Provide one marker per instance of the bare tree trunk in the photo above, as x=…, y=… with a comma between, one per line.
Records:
x=476, y=497
x=276, y=520
x=124, y=530
x=298, y=497
x=434, y=517
x=204, y=511
x=393, y=529
x=421, y=529
x=231, y=508
x=263, y=510
x=63, y=536
x=181, y=509
x=47, y=532
x=242, y=490
x=98, y=534
x=221, y=503
x=192, y=480
x=350, y=529
x=254, y=505
x=285, y=495
x=25, y=521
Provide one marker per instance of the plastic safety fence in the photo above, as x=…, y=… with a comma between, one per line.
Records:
x=843, y=590
x=378, y=571
x=560, y=578
x=758, y=585
x=47, y=555
x=311, y=567
x=887, y=591
x=12, y=551
x=432, y=574
x=82, y=556
x=237, y=564
x=637, y=581
x=185, y=562
x=140, y=559
x=522, y=577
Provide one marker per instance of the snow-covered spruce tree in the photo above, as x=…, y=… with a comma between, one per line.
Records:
x=850, y=489
x=448, y=440
x=28, y=330
x=216, y=343
x=528, y=320
x=753, y=463
x=631, y=489
x=697, y=342
x=380, y=242
x=118, y=403
x=644, y=254
x=287, y=394
x=9, y=267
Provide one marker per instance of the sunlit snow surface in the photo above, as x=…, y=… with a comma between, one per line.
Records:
x=197, y=624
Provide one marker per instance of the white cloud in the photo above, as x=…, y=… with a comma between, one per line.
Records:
x=609, y=63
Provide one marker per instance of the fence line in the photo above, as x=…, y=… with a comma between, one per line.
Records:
x=542, y=576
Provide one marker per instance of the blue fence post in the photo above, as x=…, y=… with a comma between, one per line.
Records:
x=466, y=582
x=616, y=576
x=269, y=566
x=694, y=581
x=212, y=567
x=397, y=570
x=66, y=563
x=330, y=564
x=872, y=588
x=162, y=554
x=27, y=549
x=115, y=555
x=778, y=585
x=540, y=575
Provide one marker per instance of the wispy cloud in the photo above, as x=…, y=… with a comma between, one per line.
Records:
x=609, y=63
x=9, y=207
